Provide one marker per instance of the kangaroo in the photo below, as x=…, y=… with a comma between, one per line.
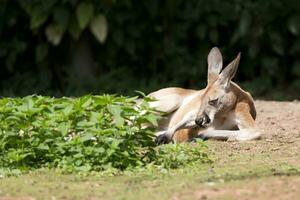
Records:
x=222, y=110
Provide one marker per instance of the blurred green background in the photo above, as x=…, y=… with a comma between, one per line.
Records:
x=74, y=47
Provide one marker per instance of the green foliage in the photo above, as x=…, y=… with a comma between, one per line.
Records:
x=87, y=133
x=178, y=155
x=145, y=45
x=90, y=133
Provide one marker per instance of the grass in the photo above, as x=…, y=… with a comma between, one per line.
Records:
x=229, y=166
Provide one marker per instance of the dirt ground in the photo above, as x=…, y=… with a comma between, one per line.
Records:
x=283, y=188
x=280, y=123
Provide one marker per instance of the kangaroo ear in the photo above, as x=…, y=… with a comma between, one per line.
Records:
x=215, y=64
x=229, y=71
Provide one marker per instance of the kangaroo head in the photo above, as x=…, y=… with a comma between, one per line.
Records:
x=217, y=98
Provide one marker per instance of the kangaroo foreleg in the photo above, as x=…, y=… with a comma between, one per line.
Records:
x=188, y=121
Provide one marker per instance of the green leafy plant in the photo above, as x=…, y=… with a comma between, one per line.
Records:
x=177, y=155
x=90, y=133
x=87, y=133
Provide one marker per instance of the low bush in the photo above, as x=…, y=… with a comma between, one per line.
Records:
x=178, y=155
x=90, y=133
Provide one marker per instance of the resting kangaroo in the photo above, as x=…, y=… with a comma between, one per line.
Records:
x=221, y=111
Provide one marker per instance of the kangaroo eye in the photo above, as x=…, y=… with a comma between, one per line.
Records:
x=213, y=102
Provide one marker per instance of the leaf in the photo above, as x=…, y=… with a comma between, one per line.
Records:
x=86, y=137
x=116, y=112
x=84, y=13
x=87, y=102
x=37, y=17
x=43, y=146
x=141, y=93
x=152, y=119
x=99, y=28
x=100, y=150
x=115, y=144
x=85, y=124
x=84, y=168
x=64, y=127
x=96, y=117
x=29, y=103
x=294, y=25
x=68, y=110
x=54, y=33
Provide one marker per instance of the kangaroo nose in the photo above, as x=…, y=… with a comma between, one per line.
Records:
x=202, y=120
x=207, y=119
x=199, y=121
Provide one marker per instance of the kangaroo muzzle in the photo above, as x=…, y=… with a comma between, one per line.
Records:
x=203, y=120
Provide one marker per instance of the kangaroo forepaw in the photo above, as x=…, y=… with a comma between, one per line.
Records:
x=162, y=139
